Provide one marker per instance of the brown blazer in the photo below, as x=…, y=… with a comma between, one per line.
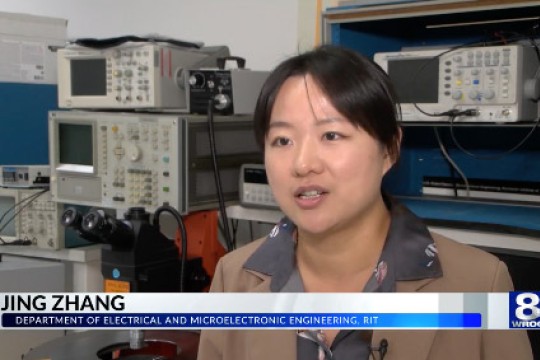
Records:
x=465, y=269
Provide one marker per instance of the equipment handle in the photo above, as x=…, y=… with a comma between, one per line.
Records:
x=240, y=61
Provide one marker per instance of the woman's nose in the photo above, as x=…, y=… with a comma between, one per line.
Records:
x=307, y=159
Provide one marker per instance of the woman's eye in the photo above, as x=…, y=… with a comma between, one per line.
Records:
x=281, y=141
x=332, y=136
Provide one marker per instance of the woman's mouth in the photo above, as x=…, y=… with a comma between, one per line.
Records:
x=310, y=194
x=309, y=198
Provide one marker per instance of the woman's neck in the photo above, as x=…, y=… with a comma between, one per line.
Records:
x=343, y=258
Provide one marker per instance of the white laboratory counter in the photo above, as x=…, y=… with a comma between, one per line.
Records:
x=83, y=264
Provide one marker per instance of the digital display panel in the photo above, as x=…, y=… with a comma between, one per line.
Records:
x=75, y=144
x=415, y=80
x=88, y=77
x=255, y=176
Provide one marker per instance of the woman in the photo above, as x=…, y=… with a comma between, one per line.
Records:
x=327, y=122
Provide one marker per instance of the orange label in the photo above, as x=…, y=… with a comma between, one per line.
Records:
x=116, y=286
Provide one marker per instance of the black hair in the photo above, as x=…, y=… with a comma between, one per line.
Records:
x=357, y=87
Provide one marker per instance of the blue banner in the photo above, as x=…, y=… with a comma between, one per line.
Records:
x=244, y=320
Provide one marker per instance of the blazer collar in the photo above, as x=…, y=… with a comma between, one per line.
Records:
x=409, y=253
x=275, y=257
x=273, y=262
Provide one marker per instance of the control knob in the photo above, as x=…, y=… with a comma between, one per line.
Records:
x=456, y=95
x=489, y=94
x=473, y=95
x=222, y=101
x=196, y=80
x=134, y=152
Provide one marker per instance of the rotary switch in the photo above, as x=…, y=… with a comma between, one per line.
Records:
x=134, y=153
x=196, y=80
x=222, y=101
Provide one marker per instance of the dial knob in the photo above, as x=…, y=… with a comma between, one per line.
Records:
x=222, y=101
x=134, y=153
x=456, y=95
x=489, y=94
x=473, y=95
x=196, y=80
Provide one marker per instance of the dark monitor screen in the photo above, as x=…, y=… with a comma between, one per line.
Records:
x=415, y=80
x=255, y=176
x=88, y=77
x=75, y=144
x=7, y=205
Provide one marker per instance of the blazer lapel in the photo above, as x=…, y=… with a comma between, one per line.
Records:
x=281, y=344
x=269, y=344
x=262, y=282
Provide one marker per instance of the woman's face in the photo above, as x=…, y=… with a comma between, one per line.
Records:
x=325, y=172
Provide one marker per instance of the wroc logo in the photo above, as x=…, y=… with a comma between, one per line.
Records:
x=524, y=310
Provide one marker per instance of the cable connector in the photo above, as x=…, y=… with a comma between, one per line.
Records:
x=454, y=113
x=469, y=112
x=24, y=242
x=450, y=113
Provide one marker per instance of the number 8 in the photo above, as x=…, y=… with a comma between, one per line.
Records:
x=535, y=310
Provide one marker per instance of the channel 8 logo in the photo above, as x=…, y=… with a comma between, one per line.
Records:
x=524, y=309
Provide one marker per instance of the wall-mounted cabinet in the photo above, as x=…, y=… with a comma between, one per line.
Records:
x=503, y=185
x=427, y=23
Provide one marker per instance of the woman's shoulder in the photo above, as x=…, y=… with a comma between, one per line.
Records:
x=467, y=268
x=450, y=249
x=231, y=274
x=238, y=257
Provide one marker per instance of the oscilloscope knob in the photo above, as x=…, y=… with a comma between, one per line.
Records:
x=489, y=94
x=457, y=95
x=473, y=95
x=222, y=101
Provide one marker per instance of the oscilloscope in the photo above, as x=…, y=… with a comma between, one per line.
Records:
x=122, y=160
x=498, y=82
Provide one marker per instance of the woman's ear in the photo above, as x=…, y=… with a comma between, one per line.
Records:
x=397, y=146
x=392, y=153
